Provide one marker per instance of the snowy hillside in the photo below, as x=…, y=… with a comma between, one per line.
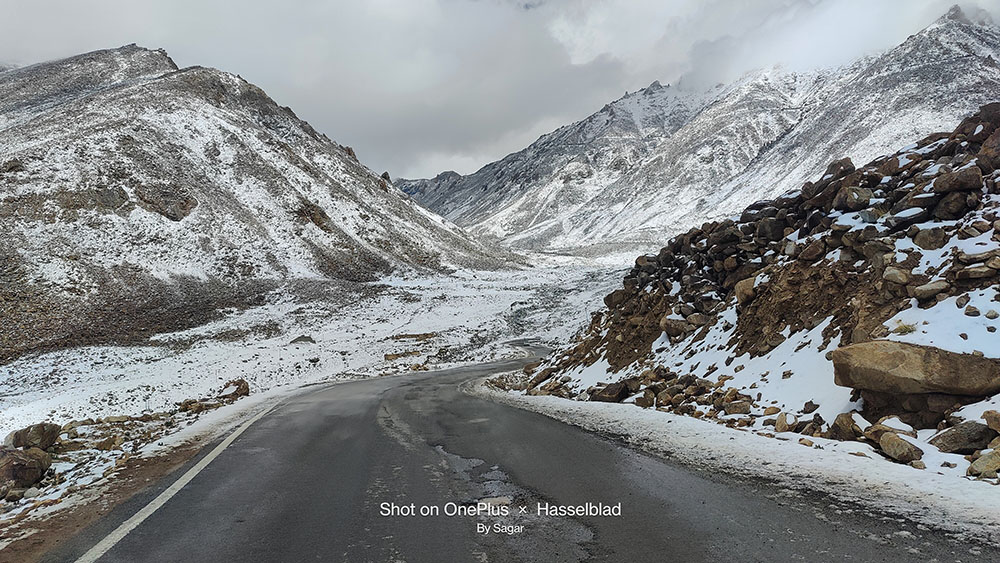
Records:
x=128, y=185
x=662, y=159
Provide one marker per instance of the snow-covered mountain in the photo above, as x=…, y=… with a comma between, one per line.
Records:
x=129, y=185
x=661, y=159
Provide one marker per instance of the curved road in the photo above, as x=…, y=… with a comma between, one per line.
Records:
x=307, y=482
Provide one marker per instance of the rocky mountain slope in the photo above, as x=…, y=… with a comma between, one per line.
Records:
x=861, y=307
x=663, y=157
x=129, y=186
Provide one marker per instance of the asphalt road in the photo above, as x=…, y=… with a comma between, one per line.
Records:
x=307, y=482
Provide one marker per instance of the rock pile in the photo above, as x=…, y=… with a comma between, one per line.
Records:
x=852, y=249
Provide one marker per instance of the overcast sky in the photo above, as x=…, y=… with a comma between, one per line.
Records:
x=421, y=86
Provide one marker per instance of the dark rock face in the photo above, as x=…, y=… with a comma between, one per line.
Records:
x=171, y=201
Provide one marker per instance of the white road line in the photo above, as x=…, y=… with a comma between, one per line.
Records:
x=127, y=526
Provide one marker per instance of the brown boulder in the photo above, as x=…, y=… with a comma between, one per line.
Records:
x=987, y=464
x=240, y=388
x=614, y=393
x=930, y=239
x=23, y=468
x=844, y=428
x=812, y=251
x=992, y=419
x=646, y=400
x=737, y=407
x=964, y=438
x=966, y=179
x=675, y=327
x=41, y=435
x=899, y=449
x=745, y=291
x=898, y=367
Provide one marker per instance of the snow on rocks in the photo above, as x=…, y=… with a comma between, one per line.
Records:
x=828, y=312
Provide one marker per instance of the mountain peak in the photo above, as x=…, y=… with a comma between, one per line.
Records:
x=970, y=16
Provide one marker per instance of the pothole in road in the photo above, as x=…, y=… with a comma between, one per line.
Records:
x=508, y=525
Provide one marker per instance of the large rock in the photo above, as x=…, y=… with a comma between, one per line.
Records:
x=899, y=449
x=898, y=367
x=930, y=239
x=969, y=178
x=987, y=465
x=23, y=468
x=614, y=393
x=35, y=436
x=964, y=438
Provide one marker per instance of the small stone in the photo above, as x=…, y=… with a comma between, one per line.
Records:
x=971, y=311
x=785, y=422
x=895, y=275
x=917, y=464
x=987, y=463
x=737, y=407
x=771, y=411
x=898, y=448
x=698, y=319
x=928, y=290
x=992, y=315
x=31, y=493
x=809, y=407
x=992, y=419
x=806, y=442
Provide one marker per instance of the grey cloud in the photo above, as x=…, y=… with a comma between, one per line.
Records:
x=417, y=86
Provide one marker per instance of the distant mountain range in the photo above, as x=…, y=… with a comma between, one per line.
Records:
x=656, y=161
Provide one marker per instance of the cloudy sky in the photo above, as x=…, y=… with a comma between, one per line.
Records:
x=421, y=86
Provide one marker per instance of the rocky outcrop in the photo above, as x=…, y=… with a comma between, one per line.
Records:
x=845, y=267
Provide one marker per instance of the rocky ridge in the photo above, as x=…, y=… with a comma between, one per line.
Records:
x=881, y=278
x=628, y=175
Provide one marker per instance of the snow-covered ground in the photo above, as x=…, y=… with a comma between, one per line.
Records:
x=425, y=321
x=849, y=471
